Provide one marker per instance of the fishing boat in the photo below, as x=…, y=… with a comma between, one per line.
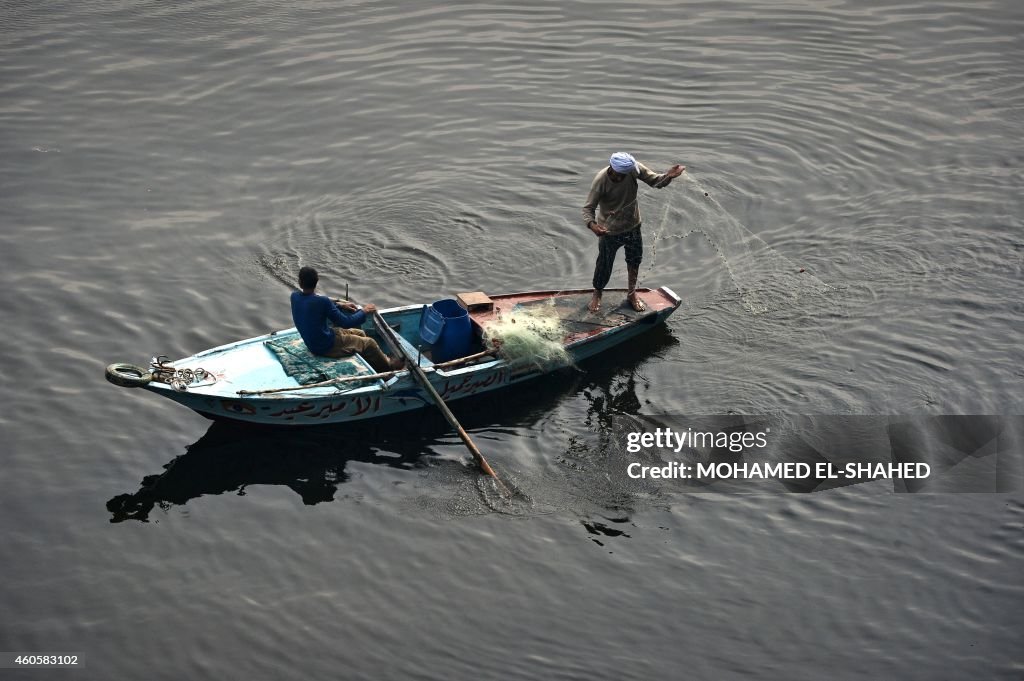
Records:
x=273, y=379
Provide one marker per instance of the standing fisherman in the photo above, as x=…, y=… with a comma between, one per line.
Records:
x=613, y=191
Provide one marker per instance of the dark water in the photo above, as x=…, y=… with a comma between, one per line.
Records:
x=164, y=165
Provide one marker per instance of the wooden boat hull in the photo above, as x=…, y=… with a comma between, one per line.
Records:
x=247, y=365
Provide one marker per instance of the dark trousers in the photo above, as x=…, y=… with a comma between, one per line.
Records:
x=608, y=246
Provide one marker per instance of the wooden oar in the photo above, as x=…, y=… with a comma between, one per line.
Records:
x=387, y=333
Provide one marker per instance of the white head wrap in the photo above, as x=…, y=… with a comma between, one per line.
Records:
x=621, y=162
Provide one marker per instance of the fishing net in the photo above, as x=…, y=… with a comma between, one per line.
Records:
x=765, y=279
x=533, y=335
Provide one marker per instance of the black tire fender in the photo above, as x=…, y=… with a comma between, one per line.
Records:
x=128, y=375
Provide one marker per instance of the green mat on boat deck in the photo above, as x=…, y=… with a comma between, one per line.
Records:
x=307, y=368
x=576, y=318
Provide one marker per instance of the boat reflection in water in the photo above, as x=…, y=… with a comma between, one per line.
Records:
x=231, y=457
x=312, y=461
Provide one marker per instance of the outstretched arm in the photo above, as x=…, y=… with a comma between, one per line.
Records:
x=675, y=171
x=661, y=180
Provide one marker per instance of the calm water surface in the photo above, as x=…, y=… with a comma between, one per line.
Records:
x=164, y=167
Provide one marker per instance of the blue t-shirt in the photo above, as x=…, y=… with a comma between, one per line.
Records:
x=311, y=314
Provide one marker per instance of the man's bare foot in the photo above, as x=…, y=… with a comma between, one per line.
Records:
x=397, y=363
x=636, y=303
x=595, y=302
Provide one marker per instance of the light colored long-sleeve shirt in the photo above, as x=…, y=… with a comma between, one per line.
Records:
x=614, y=204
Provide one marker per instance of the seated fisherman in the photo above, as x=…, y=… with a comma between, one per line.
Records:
x=311, y=313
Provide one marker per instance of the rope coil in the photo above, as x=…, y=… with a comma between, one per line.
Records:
x=179, y=379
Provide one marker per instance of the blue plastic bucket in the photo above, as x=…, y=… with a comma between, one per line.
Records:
x=446, y=326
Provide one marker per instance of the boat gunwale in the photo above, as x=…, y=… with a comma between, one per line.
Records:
x=383, y=386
